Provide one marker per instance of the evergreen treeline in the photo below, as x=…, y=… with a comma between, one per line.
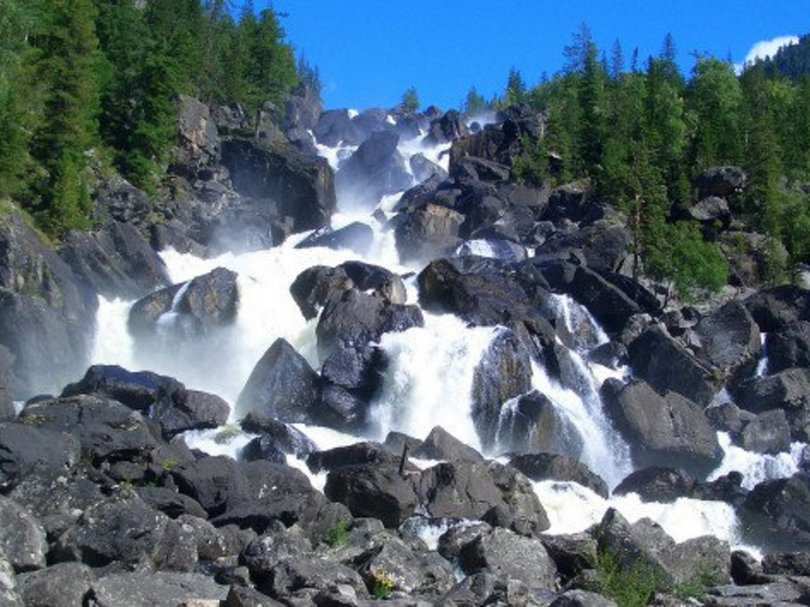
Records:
x=643, y=133
x=103, y=75
x=791, y=61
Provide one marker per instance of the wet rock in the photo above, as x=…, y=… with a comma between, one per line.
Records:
x=427, y=231
x=533, y=422
x=423, y=169
x=471, y=490
x=262, y=448
x=123, y=532
x=657, y=484
x=787, y=563
x=504, y=372
x=768, y=432
x=189, y=410
x=787, y=390
x=441, y=445
x=351, y=455
x=449, y=127
x=282, y=385
x=553, y=466
x=47, y=317
x=152, y=589
x=667, y=366
x=313, y=287
x=22, y=538
x=745, y=569
x=662, y=430
x=115, y=261
x=137, y=390
x=504, y=552
x=789, y=347
x=730, y=340
x=7, y=409
x=301, y=186
x=59, y=584
x=199, y=306
x=374, y=170
x=778, y=307
x=9, y=590
x=782, y=513
x=356, y=236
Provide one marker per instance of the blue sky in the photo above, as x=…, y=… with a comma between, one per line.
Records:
x=369, y=51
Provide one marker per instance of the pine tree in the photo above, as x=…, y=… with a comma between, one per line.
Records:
x=515, y=92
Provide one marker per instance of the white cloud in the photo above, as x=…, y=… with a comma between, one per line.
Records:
x=766, y=48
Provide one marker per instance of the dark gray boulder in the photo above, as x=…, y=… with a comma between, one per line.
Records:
x=199, y=307
x=138, y=390
x=449, y=127
x=170, y=502
x=361, y=453
x=662, y=430
x=377, y=491
x=7, y=409
x=667, y=366
x=786, y=563
x=115, y=261
x=47, y=317
x=556, y=467
x=155, y=589
x=777, y=513
x=768, y=432
x=572, y=554
x=27, y=449
x=570, y=201
x=282, y=385
x=474, y=490
x=722, y=181
x=423, y=169
x=657, y=484
x=313, y=287
x=506, y=553
x=301, y=186
x=441, y=445
x=772, y=593
x=9, y=590
x=787, y=390
x=778, y=307
x=730, y=340
x=356, y=236
x=374, y=170
x=285, y=437
x=426, y=231
x=309, y=575
x=59, y=584
x=789, y=347
x=123, y=532
x=22, y=538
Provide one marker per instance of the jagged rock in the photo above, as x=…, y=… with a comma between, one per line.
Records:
x=59, y=584
x=275, y=545
x=779, y=307
x=373, y=490
x=667, y=366
x=303, y=109
x=768, y=432
x=199, y=139
x=504, y=552
x=170, y=502
x=106, y=429
x=137, y=390
x=657, y=484
x=156, y=589
x=532, y=422
x=569, y=201
x=123, y=532
x=356, y=236
x=472, y=490
x=362, y=453
x=413, y=570
x=374, y=170
x=118, y=200
x=471, y=168
x=46, y=317
x=115, y=261
x=245, y=596
x=553, y=466
x=520, y=126
x=500, y=249
x=441, y=445
x=504, y=372
x=787, y=563
x=27, y=449
x=313, y=287
x=644, y=544
x=22, y=538
x=486, y=588
x=308, y=573
x=426, y=231
x=789, y=347
x=448, y=128
x=423, y=169
x=572, y=554
x=662, y=430
x=284, y=436
x=357, y=319
x=200, y=306
x=730, y=340
x=581, y=598
x=722, y=181
x=787, y=390
x=775, y=593
x=301, y=186
x=282, y=385
x=334, y=126
x=782, y=513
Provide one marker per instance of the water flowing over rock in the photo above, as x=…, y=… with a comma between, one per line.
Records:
x=374, y=170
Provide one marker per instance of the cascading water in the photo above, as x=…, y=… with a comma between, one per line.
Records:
x=428, y=381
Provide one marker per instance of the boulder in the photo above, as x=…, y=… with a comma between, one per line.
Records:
x=123, y=532
x=426, y=232
x=503, y=373
x=581, y=598
x=28, y=449
x=374, y=170
x=282, y=385
x=189, y=410
x=662, y=430
x=789, y=347
x=486, y=588
x=156, y=589
x=356, y=454
x=170, y=502
x=199, y=144
x=787, y=390
x=449, y=127
x=115, y=261
x=303, y=109
x=777, y=513
x=772, y=593
x=476, y=490
x=711, y=211
x=572, y=554
x=570, y=201
x=377, y=491
x=657, y=484
x=556, y=467
x=722, y=181
x=191, y=309
x=730, y=340
x=284, y=436
x=59, y=584
x=116, y=199
x=309, y=575
x=533, y=422
x=138, y=390
x=356, y=236
x=506, y=553
x=778, y=307
x=47, y=317
x=22, y=538
x=768, y=432
x=441, y=445
x=423, y=169
x=667, y=366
